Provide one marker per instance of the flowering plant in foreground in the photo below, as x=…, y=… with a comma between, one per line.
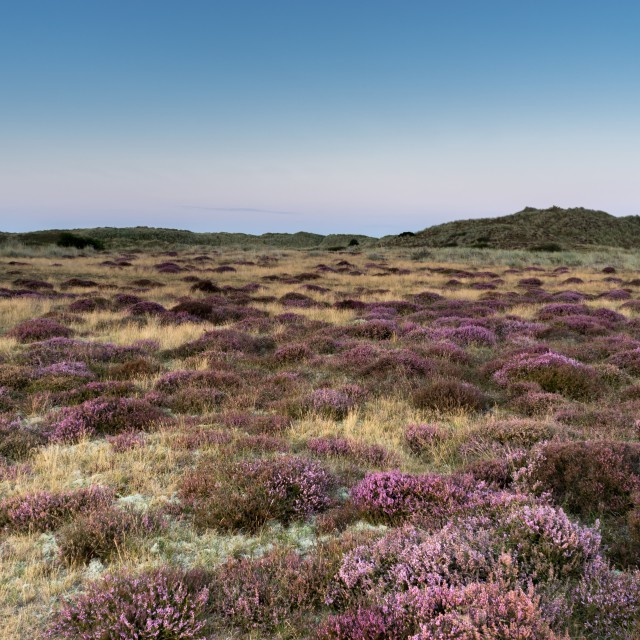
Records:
x=552, y=371
x=153, y=606
x=46, y=511
x=104, y=416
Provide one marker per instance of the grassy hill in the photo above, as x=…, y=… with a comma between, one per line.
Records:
x=550, y=229
x=141, y=237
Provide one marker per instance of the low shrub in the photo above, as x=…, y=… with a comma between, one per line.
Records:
x=101, y=533
x=151, y=606
x=334, y=403
x=480, y=610
x=104, y=417
x=368, y=454
x=247, y=494
x=392, y=496
x=516, y=432
x=39, y=329
x=421, y=438
x=588, y=478
x=365, y=623
x=607, y=603
x=17, y=440
x=269, y=593
x=450, y=395
x=46, y=511
x=554, y=373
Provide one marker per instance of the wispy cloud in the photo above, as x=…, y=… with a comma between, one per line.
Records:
x=241, y=210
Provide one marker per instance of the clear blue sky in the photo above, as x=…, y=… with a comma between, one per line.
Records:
x=323, y=115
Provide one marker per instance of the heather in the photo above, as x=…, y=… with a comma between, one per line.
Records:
x=223, y=443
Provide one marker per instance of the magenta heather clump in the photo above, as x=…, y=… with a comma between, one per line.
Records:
x=554, y=372
x=392, y=496
x=245, y=495
x=332, y=403
x=343, y=447
x=46, y=511
x=422, y=437
x=151, y=606
x=103, y=417
x=39, y=329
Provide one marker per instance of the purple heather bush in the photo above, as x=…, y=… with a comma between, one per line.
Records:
x=446, y=394
x=588, y=478
x=359, y=452
x=271, y=592
x=152, y=606
x=65, y=368
x=466, y=334
x=548, y=544
x=629, y=361
x=375, y=329
x=39, y=329
x=335, y=403
x=392, y=496
x=54, y=350
x=607, y=602
x=104, y=417
x=146, y=308
x=126, y=441
x=365, y=623
x=292, y=353
x=88, y=305
x=479, y=611
x=101, y=533
x=246, y=494
x=421, y=438
x=46, y=511
x=92, y=390
x=18, y=439
x=554, y=373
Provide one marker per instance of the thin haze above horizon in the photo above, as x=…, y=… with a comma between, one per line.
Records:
x=370, y=117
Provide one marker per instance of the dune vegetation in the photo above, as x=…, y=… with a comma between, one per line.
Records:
x=366, y=444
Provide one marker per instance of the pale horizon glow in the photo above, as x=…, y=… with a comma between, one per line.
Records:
x=332, y=117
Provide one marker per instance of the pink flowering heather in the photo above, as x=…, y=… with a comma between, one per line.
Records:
x=375, y=329
x=330, y=402
x=627, y=360
x=468, y=334
x=269, y=592
x=548, y=543
x=65, y=368
x=365, y=623
x=392, y=496
x=247, y=494
x=46, y=511
x=410, y=557
x=555, y=373
x=371, y=454
x=420, y=438
x=109, y=417
x=291, y=353
x=153, y=606
x=179, y=380
x=53, y=350
x=607, y=602
x=39, y=329
x=126, y=441
x=480, y=611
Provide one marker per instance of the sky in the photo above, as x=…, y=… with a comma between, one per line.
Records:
x=358, y=116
